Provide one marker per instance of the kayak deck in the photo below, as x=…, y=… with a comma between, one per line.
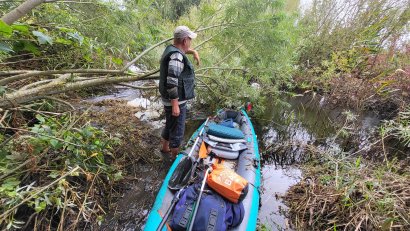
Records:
x=246, y=165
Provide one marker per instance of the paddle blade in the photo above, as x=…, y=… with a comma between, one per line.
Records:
x=180, y=176
x=202, y=151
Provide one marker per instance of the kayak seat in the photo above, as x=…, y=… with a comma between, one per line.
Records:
x=225, y=132
x=225, y=148
x=225, y=140
x=226, y=154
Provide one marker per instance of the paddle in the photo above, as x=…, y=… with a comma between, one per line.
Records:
x=186, y=166
x=196, y=205
x=173, y=202
x=183, y=173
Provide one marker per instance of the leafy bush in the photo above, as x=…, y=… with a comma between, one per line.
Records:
x=44, y=166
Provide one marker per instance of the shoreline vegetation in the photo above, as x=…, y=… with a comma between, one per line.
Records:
x=64, y=163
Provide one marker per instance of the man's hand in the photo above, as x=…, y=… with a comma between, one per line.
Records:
x=196, y=56
x=175, y=107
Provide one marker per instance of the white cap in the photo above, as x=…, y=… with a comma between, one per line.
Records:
x=183, y=32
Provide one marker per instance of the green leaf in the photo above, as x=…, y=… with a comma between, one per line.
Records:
x=10, y=184
x=86, y=133
x=100, y=219
x=118, y=176
x=64, y=41
x=24, y=29
x=26, y=46
x=40, y=118
x=42, y=38
x=5, y=48
x=31, y=47
x=117, y=61
x=54, y=175
x=77, y=37
x=65, y=29
x=87, y=58
x=5, y=29
x=54, y=143
x=40, y=206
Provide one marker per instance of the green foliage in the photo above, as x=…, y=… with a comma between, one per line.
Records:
x=174, y=9
x=5, y=30
x=399, y=127
x=351, y=38
x=52, y=43
x=55, y=146
x=42, y=38
x=258, y=37
x=72, y=36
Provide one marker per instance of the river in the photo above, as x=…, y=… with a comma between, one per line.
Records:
x=284, y=131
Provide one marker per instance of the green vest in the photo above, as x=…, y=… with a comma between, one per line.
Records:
x=186, y=81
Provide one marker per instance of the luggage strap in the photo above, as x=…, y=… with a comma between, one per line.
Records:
x=187, y=214
x=213, y=217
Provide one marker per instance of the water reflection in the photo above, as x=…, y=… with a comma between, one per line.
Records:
x=285, y=133
x=275, y=182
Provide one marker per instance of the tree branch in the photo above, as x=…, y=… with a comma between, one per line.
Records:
x=223, y=68
x=137, y=87
x=7, y=212
x=20, y=11
x=143, y=53
x=53, y=72
x=61, y=85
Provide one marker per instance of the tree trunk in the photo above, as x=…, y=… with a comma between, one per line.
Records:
x=62, y=85
x=21, y=10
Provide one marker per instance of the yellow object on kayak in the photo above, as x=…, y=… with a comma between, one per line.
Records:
x=203, y=151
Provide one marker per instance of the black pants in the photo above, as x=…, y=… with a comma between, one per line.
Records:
x=174, y=126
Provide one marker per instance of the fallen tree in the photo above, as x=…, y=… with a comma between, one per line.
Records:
x=60, y=81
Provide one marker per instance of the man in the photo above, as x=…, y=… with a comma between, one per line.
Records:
x=176, y=85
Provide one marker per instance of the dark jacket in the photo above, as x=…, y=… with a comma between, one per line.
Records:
x=186, y=81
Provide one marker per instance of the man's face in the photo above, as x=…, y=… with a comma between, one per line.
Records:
x=187, y=43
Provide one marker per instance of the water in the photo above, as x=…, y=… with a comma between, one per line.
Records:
x=284, y=132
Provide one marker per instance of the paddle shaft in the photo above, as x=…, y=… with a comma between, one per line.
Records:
x=191, y=224
x=173, y=202
x=176, y=198
x=193, y=147
x=197, y=138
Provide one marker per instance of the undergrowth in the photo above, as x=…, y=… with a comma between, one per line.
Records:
x=347, y=193
x=356, y=190
x=54, y=172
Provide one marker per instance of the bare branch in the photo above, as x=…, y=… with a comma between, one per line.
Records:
x=53, y=72
x=143, y=53
x=61, y=85
x=223, y=68
x=13, y=72
x=137, y=87
x=7, y=212
x=20, y=11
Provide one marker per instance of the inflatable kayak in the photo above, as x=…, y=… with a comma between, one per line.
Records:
x=231, y=136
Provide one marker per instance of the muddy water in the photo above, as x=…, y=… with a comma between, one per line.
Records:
x=284, y=131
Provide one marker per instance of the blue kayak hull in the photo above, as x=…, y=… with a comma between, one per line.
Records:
x=248, y=166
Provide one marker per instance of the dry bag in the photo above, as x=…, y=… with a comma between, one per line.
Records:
x=227, y=183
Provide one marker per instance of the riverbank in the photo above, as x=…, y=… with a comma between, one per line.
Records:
x=360, y=183
x=309, y=130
